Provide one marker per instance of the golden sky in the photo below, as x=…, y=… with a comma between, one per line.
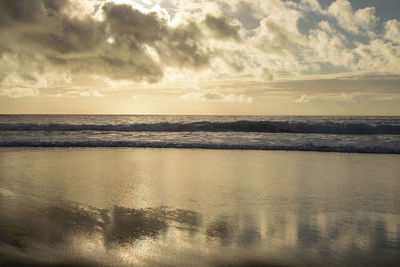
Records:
x=304, y=57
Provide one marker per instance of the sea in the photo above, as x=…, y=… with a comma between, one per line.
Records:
x=364, y=134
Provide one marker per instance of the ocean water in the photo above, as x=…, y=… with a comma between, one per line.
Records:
x=302, y=133
x=197, y=207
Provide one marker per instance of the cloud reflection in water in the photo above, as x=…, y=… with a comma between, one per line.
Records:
x=33, y=231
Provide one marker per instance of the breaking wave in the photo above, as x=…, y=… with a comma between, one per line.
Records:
x=207, y=126
x=301, y=133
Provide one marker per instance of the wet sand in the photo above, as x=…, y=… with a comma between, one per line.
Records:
x=193, y=207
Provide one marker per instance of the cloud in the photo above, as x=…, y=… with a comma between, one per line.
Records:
x=131, y=25
x=79, y=45
x=68, y=35
x=392, y=31
x=222, y=28
x=183, y=48
x=18, y=92
x=89, y=93
x=302, y=99
x=27, y=11
x=362, y=19
x=274, y=39
x=50, y=43
x=266, y=74
x=379, y=56
x=216, y=96
x=311, y=5
x=329, y=45
x=244, y=12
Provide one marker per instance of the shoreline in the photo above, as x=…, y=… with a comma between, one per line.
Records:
x=191, y=147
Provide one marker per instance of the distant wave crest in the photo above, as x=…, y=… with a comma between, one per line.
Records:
x=206, y=126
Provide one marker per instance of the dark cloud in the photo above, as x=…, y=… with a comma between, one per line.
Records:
x=183, y=47
x=142, y=69
x=222, y=28
x=28, y=11
x=124, y=21
x=117, y=47
x=20, y=11
x=69, y=35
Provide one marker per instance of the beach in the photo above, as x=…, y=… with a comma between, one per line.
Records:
x=199, y=133
x=196, y=207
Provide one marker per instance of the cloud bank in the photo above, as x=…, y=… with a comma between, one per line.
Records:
x=50, y=43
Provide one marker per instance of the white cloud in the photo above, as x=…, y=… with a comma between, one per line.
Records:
x=93, y=93
x=216, y=96
x=353, y=21
x=379, y=56
x=302, y=99
x=392, y=31
x=329, y=45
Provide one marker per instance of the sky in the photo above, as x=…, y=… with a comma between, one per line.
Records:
x=259, y=57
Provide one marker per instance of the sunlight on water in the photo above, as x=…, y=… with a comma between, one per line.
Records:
x=198, y=207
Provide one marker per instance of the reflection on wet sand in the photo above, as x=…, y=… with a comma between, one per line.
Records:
x=34, y=232
x=140, y=207
x=27, y=224
x=124, y=225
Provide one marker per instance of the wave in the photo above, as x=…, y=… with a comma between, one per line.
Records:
x=206, y=126
x=140, y=144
